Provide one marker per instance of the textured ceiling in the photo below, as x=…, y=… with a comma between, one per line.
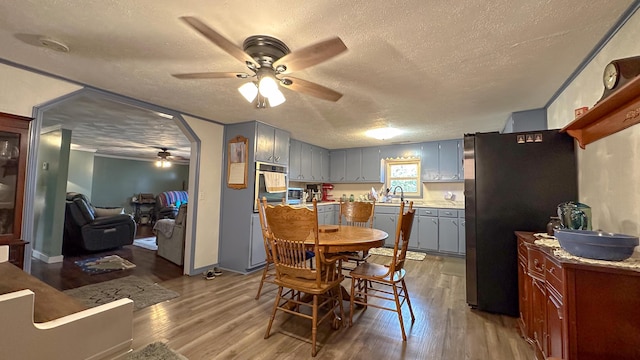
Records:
x=435, y=69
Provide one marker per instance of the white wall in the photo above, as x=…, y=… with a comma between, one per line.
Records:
x=21, y=90
x=210, y=184
x=608, y=169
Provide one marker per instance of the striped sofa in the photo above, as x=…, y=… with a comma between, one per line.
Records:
x=168, y=202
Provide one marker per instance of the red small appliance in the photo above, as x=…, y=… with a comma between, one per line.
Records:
x=325, y=192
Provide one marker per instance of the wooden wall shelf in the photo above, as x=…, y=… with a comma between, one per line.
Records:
x=617, y=112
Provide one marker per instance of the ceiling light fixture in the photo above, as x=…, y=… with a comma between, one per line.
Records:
x=249, y=91
x=163, y=161
x=383, y=133
x=266, y=88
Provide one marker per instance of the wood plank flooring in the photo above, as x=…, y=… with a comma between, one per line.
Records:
x=219, y=319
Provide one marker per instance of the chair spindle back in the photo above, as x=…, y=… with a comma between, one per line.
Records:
x=356, y=213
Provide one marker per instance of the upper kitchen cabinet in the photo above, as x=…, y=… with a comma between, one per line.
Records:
x=442, y=161
x=363, y=165
x=337, y=165
x=272, y=144
x=308, y=163
x=449, y=159
x=319, y=164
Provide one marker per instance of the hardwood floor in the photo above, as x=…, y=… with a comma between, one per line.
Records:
x=67, y=275
x=219, y=319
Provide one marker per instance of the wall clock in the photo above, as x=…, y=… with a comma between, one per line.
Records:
x=617, y=73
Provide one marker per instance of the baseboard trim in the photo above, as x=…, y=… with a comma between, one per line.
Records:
x=46, y=258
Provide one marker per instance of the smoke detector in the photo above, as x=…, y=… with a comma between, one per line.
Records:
x=53, y=44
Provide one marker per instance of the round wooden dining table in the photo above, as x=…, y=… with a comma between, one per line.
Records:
x=343, y=238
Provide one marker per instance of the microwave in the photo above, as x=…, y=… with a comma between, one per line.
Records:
x=294, y=196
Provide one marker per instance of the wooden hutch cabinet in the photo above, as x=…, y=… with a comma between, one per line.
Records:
x=14, y=142
x=574, y=310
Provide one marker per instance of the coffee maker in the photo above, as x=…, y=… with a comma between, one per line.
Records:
x=312, y=192
x=325, y=192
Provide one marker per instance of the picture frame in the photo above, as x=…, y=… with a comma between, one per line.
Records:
x=237, y=162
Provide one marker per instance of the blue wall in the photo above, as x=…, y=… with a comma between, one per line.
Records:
x=115, y=181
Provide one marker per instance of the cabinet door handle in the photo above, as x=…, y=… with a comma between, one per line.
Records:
x=270, y=158
x=552, y=270
x=277, y=158
x=454, y=222
x=434, y=221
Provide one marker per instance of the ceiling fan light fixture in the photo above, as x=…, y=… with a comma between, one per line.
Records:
x=163, y=163
x=383, y=133
x=276, y=98
x=267, y=86
x=249, y=91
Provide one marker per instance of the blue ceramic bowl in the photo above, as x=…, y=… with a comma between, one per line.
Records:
x=597, y=245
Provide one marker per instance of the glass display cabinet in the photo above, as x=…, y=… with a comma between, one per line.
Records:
x=14, y=141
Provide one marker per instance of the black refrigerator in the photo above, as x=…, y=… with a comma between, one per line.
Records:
x=512, y=182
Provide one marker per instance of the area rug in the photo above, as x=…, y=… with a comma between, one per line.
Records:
x=155, y=351
x=147, y=243
x=453, y=266
x=143, y=293
x=104, y=264
x=411, y=255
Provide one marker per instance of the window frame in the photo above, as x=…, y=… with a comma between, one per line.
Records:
x=391, y=162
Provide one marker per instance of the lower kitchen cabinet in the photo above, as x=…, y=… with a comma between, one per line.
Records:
x=576, y=310
x=385, y=220
x=462, y=245
x=448, y=235
x=258, y=256
x=428, y=230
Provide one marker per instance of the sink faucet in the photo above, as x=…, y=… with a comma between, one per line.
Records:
x=401, y=192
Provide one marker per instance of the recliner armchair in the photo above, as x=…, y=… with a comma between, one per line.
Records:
x=170, y=236
x=86, y=232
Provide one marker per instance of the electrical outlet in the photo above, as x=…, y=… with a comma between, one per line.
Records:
x=45, y=166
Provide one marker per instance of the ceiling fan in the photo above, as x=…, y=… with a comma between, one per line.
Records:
x=163, y=158
x=269, y=61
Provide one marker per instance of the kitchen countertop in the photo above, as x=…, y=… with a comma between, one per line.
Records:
x=441, y=204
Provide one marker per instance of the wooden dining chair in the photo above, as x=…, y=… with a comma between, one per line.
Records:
x=269, y=272
x=287, y=231
x=356, y=213
x=385, y=282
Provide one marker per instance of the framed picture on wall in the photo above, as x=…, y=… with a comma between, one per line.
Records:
x=237, y=164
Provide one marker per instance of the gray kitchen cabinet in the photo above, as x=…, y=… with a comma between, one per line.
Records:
x=324, y=165
x=461, y=233
x=448, y=159
x=295, y=160
x=257, y=256
x=414, y=239
x=363, y=165
x=305, y=161
x=338, y=162
x=316, y=164
x=448, y=231
x=428, y=229
x=430, y=167
x=385, y=220
x=272, y=144
x=442, y=161
x=370, y=165
x=353, y=160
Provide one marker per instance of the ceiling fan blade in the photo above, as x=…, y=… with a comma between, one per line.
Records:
x=310, y=55
x=211, y=75
x=219, y=40
x=310, y=88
